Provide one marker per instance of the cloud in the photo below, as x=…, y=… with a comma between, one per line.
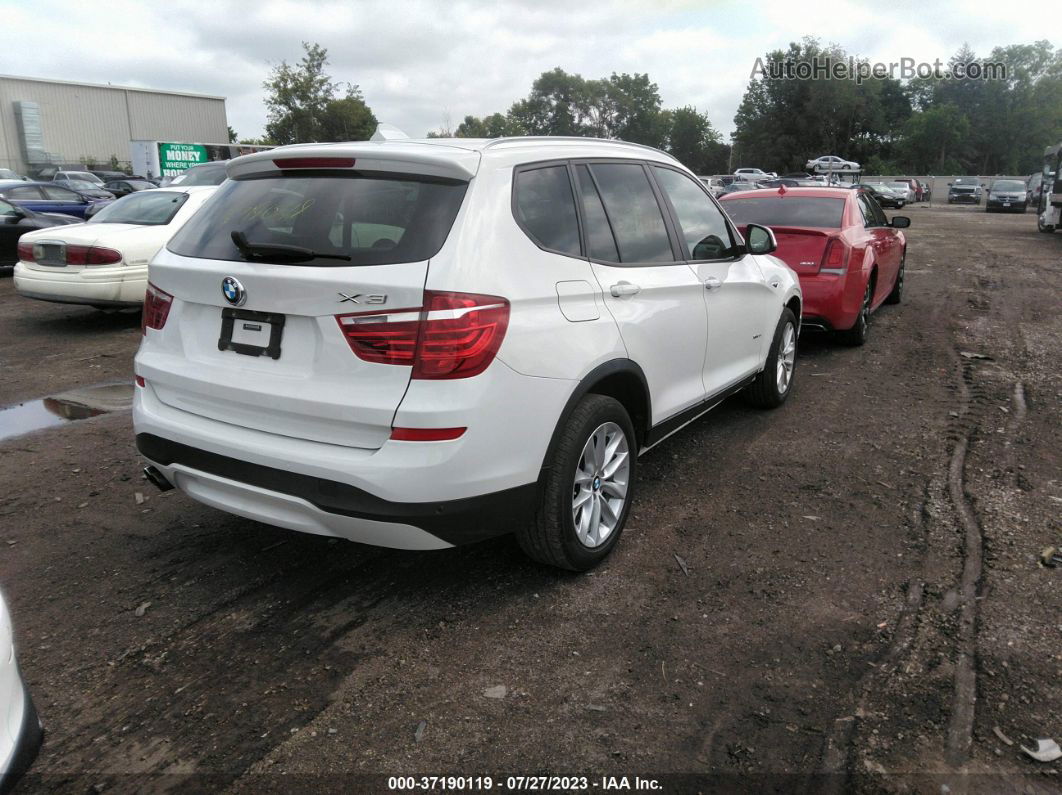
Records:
x=420, y=62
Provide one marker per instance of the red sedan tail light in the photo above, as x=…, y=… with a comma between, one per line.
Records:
x=156, y=308
x=835, y=257
x=453, y=335
x=25, y=252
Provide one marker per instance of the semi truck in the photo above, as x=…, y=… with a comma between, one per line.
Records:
x=167, y=159
x=1049, y=210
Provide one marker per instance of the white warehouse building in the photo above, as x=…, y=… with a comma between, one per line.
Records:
x=54, y=122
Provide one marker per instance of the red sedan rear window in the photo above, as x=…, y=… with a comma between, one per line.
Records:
x=786, y=211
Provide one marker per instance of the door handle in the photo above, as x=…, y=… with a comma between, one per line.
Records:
x=624, y=289
x=712, y=283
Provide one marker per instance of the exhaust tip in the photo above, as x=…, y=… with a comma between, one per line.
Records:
x=157, y=478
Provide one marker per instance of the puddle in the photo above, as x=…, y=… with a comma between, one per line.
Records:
x=77, y=404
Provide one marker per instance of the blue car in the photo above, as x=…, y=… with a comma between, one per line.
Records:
x=48, y=197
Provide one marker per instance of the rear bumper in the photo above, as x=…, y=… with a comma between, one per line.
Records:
x=98, y=286
x=831, y=300
x=407, y=495
x=327, y=507
x=1015, y=205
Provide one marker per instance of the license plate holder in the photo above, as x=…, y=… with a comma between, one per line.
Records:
x=1006, y=204
x=242, y=331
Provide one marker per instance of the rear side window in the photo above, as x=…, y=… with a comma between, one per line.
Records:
x=545, y=208
x=598, y=229
x=637, y=222
x=791, y=211
x=370, y=219
x=60, y=194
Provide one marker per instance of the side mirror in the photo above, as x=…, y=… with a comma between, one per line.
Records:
x=900, y=222
x=760, y=239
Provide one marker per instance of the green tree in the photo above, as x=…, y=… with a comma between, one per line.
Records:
x=303, y=106
x=781, y=123
x=693, y=140
x=233, y=137
x=348, y=118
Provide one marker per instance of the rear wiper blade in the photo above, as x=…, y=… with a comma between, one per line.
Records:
x=279, y=251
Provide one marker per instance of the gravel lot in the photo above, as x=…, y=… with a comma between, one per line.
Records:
x=861, y=604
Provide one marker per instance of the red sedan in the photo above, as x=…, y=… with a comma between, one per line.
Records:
x=848, y=255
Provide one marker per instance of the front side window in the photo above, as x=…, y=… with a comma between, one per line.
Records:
x=702, y=225
x=545, y=207
x=148, y=209
x=637, y=222
x=341, y=220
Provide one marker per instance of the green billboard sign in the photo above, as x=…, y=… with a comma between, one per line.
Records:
x=175, y=159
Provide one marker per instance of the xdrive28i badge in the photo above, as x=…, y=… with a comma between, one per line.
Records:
x=233, y=291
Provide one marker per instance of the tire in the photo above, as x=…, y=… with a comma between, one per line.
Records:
x=553, y=536
x=860, y=331
x=897, y=289
x=1047, y=229
x=774, y=383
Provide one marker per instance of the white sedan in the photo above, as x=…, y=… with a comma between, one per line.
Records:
x=104, y=262
x=830, y=163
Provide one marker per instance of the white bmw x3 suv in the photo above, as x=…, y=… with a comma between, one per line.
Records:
x=418, y=344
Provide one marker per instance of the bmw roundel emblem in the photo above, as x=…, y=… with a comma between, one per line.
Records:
x=233, y=291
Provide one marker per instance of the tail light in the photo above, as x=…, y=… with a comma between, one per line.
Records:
x=156, y=308
x=25, y=252
x=453, y=335
x=836, y=255
x=92, y=255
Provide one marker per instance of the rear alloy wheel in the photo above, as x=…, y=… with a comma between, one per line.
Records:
x=774, y=383
x=1042, y=227
x=897, y=289
x=857, y=335
x=587, y=489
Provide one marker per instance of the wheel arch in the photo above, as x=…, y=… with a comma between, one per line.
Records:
x=621, y=379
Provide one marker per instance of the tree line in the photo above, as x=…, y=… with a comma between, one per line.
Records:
x=938, y=123
x=930, y=124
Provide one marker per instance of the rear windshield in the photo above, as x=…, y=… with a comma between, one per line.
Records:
x=153, y=208
x=372, y=219
x=791, y=211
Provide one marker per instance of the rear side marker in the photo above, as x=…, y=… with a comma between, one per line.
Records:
x=425, y=434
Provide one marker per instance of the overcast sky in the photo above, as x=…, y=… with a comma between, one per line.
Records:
x=422, y=63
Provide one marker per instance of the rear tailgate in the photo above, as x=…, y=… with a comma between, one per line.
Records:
x=255, y=339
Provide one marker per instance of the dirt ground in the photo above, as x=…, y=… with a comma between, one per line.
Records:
x=861, y=606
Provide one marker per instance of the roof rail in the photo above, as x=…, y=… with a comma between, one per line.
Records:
x=572, y=138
